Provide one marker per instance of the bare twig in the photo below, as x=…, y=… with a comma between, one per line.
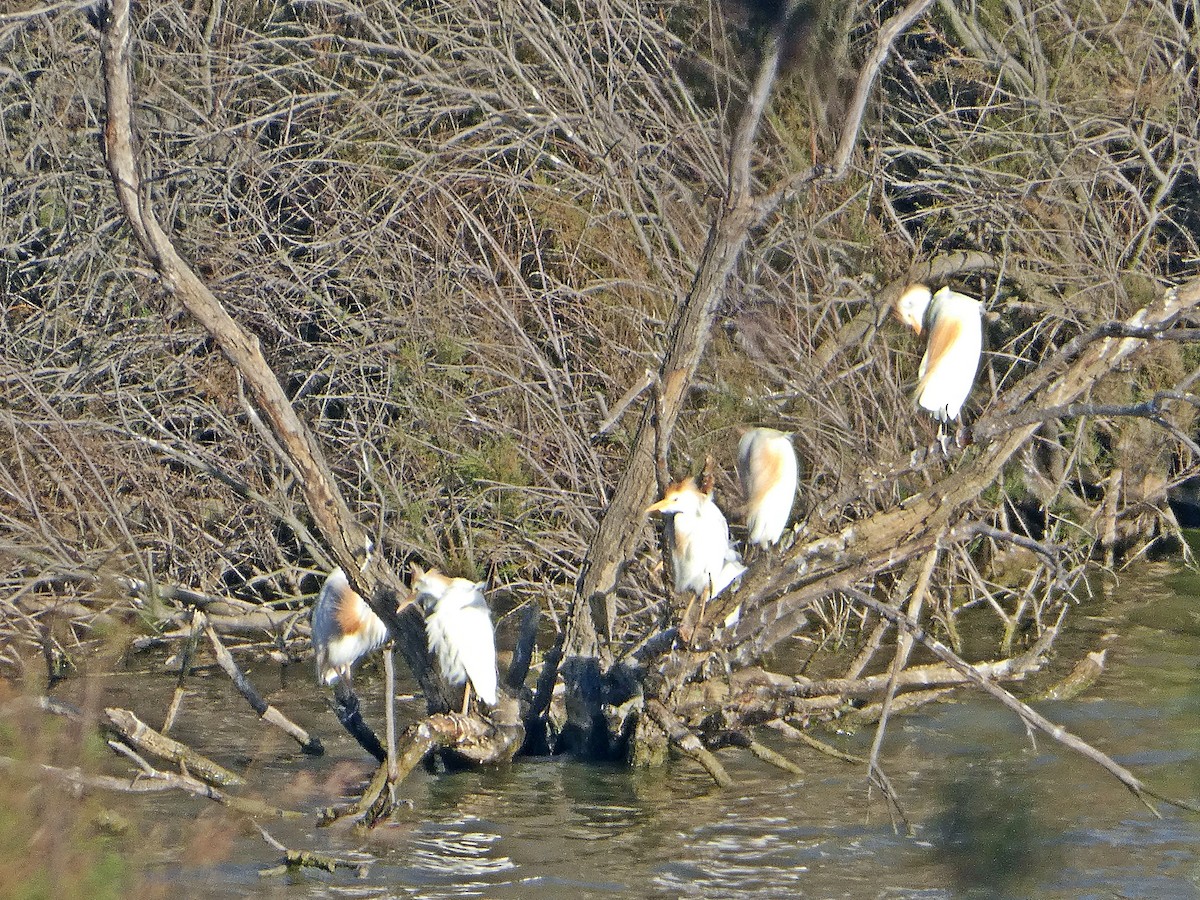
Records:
x=267, y=712
x=687, y=742
x=1025, y=712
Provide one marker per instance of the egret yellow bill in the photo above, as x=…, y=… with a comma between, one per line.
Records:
x=703, y=559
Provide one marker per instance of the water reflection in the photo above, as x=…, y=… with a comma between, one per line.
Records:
x=463, y=855
x=988, y=832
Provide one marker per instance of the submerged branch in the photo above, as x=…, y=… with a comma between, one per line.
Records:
x=152, y=781
x=687, y=742
x=142, y=736
x=1024, y=711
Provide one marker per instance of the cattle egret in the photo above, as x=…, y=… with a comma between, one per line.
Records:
x=769, y=473
x=344, y=628
x=955, y=328
x=702, y=555
x=459, y=629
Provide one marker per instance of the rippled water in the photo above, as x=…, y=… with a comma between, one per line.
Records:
x=994, y=811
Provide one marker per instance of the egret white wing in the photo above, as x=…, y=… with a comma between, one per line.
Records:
x=477, y=650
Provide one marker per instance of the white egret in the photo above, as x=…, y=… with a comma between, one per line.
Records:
x=459, y=629
x=769, y=474
x=344, y=628
x=955, y=340
x=702, y=556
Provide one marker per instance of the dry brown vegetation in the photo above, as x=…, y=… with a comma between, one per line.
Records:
x=462, y=231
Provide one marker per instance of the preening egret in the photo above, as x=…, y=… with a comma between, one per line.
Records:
x=955, y=340
x=344, y=628
x=702, y=556
x=769, y=473
x=460, y=633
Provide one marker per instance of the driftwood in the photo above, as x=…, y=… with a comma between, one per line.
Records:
x=142, y=736
x=359, y=809
x=185, y=667
x=149, y=781
x=763, y=752
x=294, y=860
x=687, y=742
x=268, y=713
x=1080, y=678
x=797, y=734
x=469, y=739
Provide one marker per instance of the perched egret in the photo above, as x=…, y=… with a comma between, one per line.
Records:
x=702, y=556
x=344, y=628
x=769, y=473
x=459, y=629
x=955, y=327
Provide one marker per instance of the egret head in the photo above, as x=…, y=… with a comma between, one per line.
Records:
x=910, y=308
x=680, y=497
x=433, y=588
x=458, y=630
x=428, y=585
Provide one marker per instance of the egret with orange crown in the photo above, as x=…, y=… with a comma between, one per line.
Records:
x=954, y=323
x=702, y=556
x=460, y=634
x=344, y=629
x=769, y=474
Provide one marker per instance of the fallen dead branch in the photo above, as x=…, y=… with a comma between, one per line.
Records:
x=268, y=713
x=1025, y=712
x=468, y=739
x=799, y=734
x=762, y=751
x=142, y=736
x=348, y=710
x=294, y=860
x=688, y=743
x=151, y=781
x=1078, y=680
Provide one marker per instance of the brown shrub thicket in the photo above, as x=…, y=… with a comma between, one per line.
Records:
x=460, y=229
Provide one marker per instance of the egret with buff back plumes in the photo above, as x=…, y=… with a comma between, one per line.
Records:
x=344, y=629
x=953, y=323
x=769, y=473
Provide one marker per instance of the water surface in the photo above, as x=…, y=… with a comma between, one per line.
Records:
x=993, y=810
